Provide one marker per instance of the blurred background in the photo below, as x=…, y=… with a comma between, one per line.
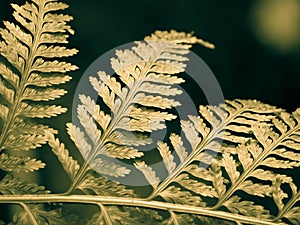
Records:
x=257, y=53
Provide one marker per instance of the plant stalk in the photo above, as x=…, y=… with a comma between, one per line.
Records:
x=135, y=202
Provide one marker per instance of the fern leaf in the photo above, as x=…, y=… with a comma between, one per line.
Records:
x=9, y=75
x=55, y=51
x=178, y=147
x=12, y=186
x=19, y=164
x=43, y=95
x=156, y=101
x=230, y=167
x=278, y=194
x=52, y=66
x=218, y=181
x=39, y=80
x=163, y=79
x=246, y=207
x=27, y=71
x=256, y=189
x=195, y=186
x=24, y=142
x=20, y=127
x=70, y=165
x=167, y=156
x=136, y=68
x=108, y=168
x=142, y=113
x=149, y=174
x=130, y=139
x=94, y=110
x=79, y=139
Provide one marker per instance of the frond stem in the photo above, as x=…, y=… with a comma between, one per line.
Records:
x=134, y=202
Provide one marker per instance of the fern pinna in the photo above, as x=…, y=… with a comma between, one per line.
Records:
x=147, y=74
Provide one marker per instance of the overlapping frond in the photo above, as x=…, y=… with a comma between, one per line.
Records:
x=31, y=67
x=233, y=150
x=28, y=68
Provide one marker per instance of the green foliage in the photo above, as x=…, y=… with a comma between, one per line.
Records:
x=234, y=163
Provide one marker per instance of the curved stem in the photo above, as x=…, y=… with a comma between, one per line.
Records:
x=135, y=202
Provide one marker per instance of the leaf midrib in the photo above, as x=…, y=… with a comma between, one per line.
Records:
x=133, y=202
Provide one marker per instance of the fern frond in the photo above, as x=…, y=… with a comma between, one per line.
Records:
x=203, y=134
x=40, y=111
x=252, y=146
x=26, y=68
x=27, y=72
x=136, y=67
